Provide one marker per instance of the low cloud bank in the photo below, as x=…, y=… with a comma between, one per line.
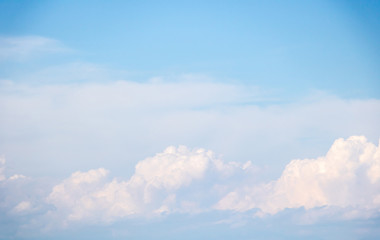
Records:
x=181, y=180
x=150, y=191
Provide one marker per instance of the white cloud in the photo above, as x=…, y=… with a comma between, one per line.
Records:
x=23, y=206
x=91, y=197
x=124, y=95
x=173, y=168
x=128, y=120
x=16, y=176
x=79, y=125
x=346, y=181
x=22, y=48
x=346, y=177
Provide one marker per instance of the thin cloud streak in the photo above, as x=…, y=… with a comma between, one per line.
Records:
x=29, y=47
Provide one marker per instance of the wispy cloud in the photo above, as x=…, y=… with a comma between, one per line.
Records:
x=71, y=73
x=24, y=48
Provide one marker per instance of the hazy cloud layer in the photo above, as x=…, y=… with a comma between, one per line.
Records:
x=125, y=121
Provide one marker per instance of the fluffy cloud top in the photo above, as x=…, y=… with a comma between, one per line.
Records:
x=90, y=196
x=181, y=180
x=173, y=168
x=347, y=177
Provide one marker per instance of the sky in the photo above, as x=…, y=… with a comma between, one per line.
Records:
x=189, y=119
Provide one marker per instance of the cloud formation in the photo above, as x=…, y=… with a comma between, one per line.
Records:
x=348, y=176
x=90, y=196
x=23, y=48
x=180, y=180
x=116, y=120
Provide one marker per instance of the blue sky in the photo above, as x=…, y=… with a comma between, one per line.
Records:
x=271, y=44
x=191, y=119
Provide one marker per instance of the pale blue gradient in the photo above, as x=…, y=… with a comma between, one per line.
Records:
x=291, y=46
x=282, y=80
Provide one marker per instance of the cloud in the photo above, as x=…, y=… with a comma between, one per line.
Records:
x=23, y=206
x=22, y=201
x=127, y=95
x=22, y=48
x=129, y=120
x=71, y=73
x=171, y=169
x=347, y=177
x=345, y=182
x=153, y=188
x=177, y=167
x=16, y=176
x=89, y=196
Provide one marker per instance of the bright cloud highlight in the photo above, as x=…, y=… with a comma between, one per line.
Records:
x=346, y=177
x=90, y=196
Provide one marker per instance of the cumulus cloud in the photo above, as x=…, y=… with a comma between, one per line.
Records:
x=346, y=177
x=90, y=196
x=171, y=169
x=345, y=181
